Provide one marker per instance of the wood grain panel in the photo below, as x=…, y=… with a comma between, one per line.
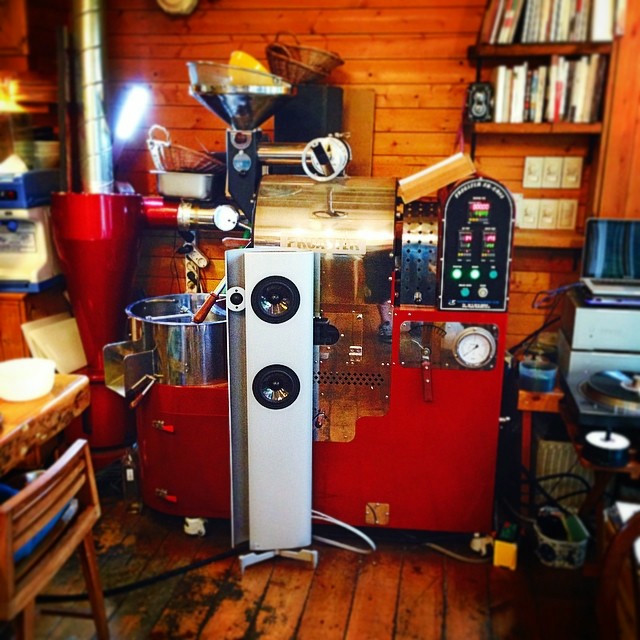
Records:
x=396, y=20
x=411, y=54
x=354, y=47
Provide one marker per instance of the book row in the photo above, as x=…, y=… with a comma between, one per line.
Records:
x=534, y=21
x=563, y=91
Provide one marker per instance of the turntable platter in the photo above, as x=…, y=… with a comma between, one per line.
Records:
x=617, y=389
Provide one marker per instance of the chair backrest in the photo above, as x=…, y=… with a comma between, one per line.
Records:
x=24, y=516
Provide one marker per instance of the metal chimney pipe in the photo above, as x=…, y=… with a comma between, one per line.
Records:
x=96, y=158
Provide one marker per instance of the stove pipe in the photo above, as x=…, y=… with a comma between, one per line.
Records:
x=96, y=160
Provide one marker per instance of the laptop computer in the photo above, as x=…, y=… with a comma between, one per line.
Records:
x=611, y=258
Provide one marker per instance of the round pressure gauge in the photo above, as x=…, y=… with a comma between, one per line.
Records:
x=474, y=347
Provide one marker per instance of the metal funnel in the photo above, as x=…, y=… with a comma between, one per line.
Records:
x=243, y=98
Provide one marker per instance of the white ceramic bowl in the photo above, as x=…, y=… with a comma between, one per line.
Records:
x=26, y=378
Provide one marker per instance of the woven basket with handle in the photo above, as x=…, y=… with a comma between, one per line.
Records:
x=300, y=64
x=167, y=156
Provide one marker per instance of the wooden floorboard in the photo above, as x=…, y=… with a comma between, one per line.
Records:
x=404, y=591
x=420, y=609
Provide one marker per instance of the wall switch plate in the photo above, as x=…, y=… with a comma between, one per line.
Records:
x=527, y=216
x=548, y=214
x=571, y=172
x=567, y=214
x=552, y=172
x=532, y=177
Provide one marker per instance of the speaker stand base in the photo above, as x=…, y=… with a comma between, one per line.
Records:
x=304, y=555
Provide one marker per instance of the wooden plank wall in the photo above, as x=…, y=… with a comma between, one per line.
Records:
x=619, y=196
x=412, y=53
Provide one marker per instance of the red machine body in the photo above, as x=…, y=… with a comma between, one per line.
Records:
x=183, y=444
x=96, y=237
x=432, y=462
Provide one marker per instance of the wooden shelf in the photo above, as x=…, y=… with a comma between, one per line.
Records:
x=548, y=239
x=542, y=50
x=551, y=128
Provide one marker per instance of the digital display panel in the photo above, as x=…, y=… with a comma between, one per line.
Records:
x=465, y=240
x=478, y=211
x=489, y=237
x=8, y=194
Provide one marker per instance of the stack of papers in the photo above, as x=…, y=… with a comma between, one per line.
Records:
x=56, y=338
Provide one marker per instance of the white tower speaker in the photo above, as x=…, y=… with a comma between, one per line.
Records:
x=270, y=343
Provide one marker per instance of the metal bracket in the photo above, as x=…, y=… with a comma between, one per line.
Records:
x=304, y=555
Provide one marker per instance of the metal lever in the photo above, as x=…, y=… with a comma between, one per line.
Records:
x=425, y=366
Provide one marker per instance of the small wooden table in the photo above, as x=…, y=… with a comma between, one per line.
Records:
x=31, y=423
x=528, y=402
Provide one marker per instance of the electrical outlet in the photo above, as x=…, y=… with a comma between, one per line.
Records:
x=191, y=276
x=548, y=214
x=567, y=214
x=571, y=172
x=552, y=172
x=527, y=216
x=532, y=177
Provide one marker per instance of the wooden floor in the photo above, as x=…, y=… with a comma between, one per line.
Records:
x=404, y=590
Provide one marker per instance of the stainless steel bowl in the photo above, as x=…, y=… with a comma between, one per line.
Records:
x=184, y=353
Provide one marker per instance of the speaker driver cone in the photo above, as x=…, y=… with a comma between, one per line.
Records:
x=276, y=386
x=275, y=299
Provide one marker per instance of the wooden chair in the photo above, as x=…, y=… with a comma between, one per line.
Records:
x=618, y=598
x=25, y=514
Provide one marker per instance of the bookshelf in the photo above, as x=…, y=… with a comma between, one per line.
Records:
x=561, y=110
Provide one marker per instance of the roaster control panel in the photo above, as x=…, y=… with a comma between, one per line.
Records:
x=477, y=229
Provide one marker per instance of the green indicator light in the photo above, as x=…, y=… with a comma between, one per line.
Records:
x=493, y=274
x=456, y=274
x=475, y=274
x=464, y=292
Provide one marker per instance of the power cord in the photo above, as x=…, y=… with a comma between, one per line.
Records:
x=318, y=515
x=457, y=556
x=140, y=584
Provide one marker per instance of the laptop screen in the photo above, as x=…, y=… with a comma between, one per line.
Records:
x=612, y=249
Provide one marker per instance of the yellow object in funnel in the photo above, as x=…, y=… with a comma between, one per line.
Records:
x=246, y=61
x=239, y=60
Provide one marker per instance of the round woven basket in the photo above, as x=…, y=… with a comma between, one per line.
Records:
x=167, y=156
x=300, y=64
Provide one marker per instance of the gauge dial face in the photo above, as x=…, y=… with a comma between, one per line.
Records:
x=474, y=348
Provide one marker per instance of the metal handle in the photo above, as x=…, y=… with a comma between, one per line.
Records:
x=425, y=366
x=138, y=399
x=203, y=311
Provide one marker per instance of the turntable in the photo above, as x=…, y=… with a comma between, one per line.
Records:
x=599, y=359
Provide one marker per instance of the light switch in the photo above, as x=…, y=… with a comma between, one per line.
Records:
x=527, y=216
x=532, y=178
x=548, y=214
x=552, y=172
x=567, y=214
x=571, y=172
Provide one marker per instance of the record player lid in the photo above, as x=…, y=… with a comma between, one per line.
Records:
x=611, y=258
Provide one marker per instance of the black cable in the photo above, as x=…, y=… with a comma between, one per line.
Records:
x=534, y=483
x=568, y=476
x=146, y=582
x=533, y=335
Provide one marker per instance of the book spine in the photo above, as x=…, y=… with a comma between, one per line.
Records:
x=598, y=90
x=499, y=91
x=542, y=94
x=602, y=21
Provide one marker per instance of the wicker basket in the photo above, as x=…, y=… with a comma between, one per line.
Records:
x=562, y=554
x=298, y=64
x=167, y=156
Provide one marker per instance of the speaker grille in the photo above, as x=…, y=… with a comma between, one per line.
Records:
x=358, y=378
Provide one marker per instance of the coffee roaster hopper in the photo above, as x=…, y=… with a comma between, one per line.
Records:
x=244, y=99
